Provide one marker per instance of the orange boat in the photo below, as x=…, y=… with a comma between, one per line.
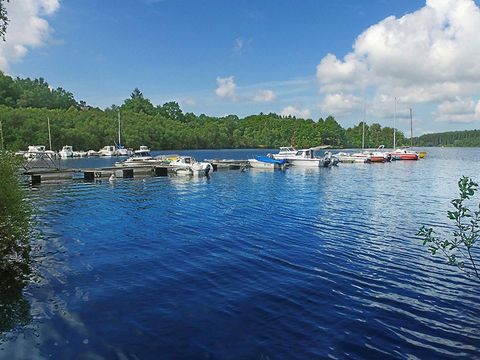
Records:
x=402, y=154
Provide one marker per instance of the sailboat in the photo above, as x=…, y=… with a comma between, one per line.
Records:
x=403, y=153
x=369, y=155
x=120, y=150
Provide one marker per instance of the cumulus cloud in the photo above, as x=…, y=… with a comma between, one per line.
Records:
x=341, y=104
x=226, y=87
x=27, y=28
x=459, y=110
x=426, y=56
x=264, y=96
x=294, y=111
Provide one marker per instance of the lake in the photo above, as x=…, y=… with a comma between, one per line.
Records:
x=301, y=263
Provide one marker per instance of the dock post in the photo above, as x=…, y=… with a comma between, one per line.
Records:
x=88, y=175
x=36, y=179
x=128, y=174
x=161, y=171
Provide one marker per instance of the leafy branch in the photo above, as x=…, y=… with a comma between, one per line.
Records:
x=3, y=19
x=458, y=250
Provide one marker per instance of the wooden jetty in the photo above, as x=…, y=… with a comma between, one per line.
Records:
x=39, y=175
x=227, y=164
x=54, y=173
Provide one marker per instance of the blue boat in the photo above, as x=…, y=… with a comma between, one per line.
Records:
x=265, y=162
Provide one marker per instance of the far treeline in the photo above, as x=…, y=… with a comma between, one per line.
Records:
x=467, y=138
x=25, y=105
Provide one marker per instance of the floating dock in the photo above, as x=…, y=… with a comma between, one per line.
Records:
x=39, y=175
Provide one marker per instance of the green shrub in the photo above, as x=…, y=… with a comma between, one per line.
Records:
x=14, y=222
x=459, y=249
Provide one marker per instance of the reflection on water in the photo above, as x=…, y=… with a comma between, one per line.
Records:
x=14, y=308
x=301, y=263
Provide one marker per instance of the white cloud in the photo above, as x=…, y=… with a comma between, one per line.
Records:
x=226, y=87
x=341, y=104
x=241, y=45
x=459, y=110
x=264, y=96
x=294, y=111
x=426, y=56
x=27, y=28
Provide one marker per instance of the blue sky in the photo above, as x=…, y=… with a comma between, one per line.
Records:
x=307, y=58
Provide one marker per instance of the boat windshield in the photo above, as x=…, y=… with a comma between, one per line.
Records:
x=142, y=153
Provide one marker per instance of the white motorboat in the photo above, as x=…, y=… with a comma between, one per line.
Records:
x=80, y=153
x=143, y=148
x=187, y=165
x=108, y=150
x=140, y=157
x=285, y=152
x=38, y=152
x=66, y=152
x=121, y=151
x=304, y=157
x=92, y=153
x=344, y=157
x=34, y=151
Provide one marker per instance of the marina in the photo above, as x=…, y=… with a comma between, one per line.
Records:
x=42, y=167
x=239, y=180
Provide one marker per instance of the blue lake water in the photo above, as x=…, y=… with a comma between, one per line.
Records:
x=295, y=264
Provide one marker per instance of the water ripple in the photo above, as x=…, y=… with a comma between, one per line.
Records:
x=306, y=263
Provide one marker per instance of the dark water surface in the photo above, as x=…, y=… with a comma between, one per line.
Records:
x=300, y=264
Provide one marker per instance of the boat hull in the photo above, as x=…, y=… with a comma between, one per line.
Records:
x=261, y=165
x=305, y=162
x=405, y=156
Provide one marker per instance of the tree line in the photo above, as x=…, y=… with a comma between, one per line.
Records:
x=467, y=138
x=25, y=105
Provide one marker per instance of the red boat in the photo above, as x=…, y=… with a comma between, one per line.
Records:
x=401, y=154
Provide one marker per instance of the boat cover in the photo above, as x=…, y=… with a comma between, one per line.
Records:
x=266, y=159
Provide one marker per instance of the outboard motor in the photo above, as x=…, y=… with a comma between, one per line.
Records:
x=327, y=159
x=208, y=168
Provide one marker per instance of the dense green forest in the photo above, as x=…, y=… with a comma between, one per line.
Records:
x=465, y=138
x=25, y=105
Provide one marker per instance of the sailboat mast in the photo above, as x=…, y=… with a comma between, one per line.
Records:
x=119, y=129
x=49, y=134
x=394, y=121
x=411, y=128
x=363, y=125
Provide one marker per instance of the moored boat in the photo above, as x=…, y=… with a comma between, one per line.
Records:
x=344, y=157
x=285, y=151
x=66, y=152
x=121, y=151
x=404, y=154
x=93, y=153
x=139, y=158
x=265, y=162
x=108, y=150
x=304, y=157
x=187, y=165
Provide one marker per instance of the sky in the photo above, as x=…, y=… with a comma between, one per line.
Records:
x=352, y=59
